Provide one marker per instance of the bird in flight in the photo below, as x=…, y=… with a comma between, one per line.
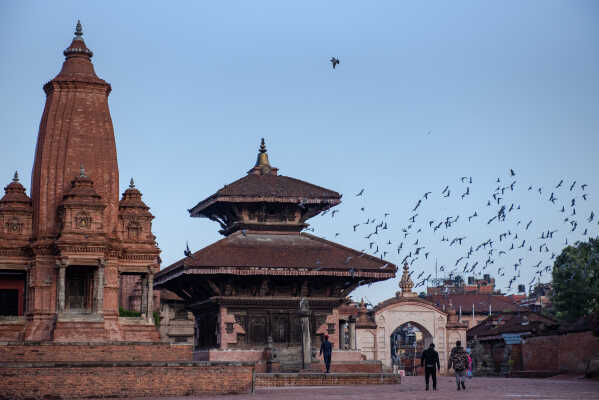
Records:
x=187, y=252
x=360, y=193
x=334, y=61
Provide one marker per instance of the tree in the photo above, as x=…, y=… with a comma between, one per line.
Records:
x=576, y=281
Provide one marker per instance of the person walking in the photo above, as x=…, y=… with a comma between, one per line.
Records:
x=458, y=359
x=326, y=350
x=430, y=362
x=469, y=371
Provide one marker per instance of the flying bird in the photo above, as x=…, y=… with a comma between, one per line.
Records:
x=187, y=252
x=334, y=61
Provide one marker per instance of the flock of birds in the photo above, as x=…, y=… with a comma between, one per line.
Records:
x=514, y=244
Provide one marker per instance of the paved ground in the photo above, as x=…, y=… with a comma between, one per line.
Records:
x=412, y=388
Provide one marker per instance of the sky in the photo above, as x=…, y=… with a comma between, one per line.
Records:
x=426, y=93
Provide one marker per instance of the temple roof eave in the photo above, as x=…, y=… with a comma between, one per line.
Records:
x=290, y=254
x=307, y=272
x=199, y=210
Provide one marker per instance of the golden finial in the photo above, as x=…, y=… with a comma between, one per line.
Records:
x=406, y=284
x=262, y=160
x=262, y=146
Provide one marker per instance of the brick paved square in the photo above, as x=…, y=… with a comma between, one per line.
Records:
x=413, y=389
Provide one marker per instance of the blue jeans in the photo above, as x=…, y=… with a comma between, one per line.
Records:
x=459, y=376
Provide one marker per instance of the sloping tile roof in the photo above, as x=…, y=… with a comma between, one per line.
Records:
x=256, y=253
x=277, y=188
x=511, y=323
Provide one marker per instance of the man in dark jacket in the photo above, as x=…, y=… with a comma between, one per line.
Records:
x=326, y=350
x=458, y=359
x=430, y=362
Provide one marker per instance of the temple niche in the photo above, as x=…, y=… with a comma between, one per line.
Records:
x=65, y=250
x=245, y=290
x=397, y=330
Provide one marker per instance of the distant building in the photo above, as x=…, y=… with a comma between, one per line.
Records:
x=474, y=307
x=474, y=285
x=539, y=298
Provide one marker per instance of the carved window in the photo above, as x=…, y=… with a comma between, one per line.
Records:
x=330, y=328
x=133, y=230
x=83, y=220
x=14, y=226
x=229, y=327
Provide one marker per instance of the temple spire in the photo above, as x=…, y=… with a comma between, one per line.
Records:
x=78, y=47
x=78, y=31
x=406, y=284
x=131, y=184
x=262, y=156
x=262, y=166
x=16, y=177
x=82, y=172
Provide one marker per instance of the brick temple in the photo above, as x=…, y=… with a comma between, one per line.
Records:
x=267, y=284
x=65, y=250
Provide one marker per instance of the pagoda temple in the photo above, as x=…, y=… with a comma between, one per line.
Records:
x=64, y=251
x=267, y=283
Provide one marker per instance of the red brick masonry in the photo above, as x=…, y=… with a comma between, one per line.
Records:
x=80, y=380
x=320, y=379
x=79, y=352
x=561, y=353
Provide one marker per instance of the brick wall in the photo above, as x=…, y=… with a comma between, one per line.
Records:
x=95, y=352
x=319, y=379
x=78, y=380
x=349, y=366
x=540, y=353
x=564, y=353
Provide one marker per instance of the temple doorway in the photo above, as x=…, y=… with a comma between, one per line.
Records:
x=12, y=293
x=407, y=343
x=79, y=289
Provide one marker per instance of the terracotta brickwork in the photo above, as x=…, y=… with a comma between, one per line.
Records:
x=79, y=352
x=349, y=366
x=123, y=380
x=564, y=353
x=74, y=239
x=319, y=379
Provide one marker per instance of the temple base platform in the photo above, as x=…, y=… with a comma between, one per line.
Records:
x=306, y=378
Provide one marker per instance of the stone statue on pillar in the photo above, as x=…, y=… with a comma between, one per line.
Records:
x=304, y=314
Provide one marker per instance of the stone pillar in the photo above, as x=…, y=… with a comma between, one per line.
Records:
x=353, y=345
x=100, y=288
x=60, y=287
x=304, y=314
x=144, y=296
x=342, y=343
x=150, y=294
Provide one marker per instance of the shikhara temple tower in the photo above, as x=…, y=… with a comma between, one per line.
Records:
x=63, y=252
x=268, y=284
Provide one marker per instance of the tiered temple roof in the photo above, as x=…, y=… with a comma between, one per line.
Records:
x=262, y=216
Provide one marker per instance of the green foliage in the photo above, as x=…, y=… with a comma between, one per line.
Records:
x=156, y=316
x=576, y=281
x=128, y=313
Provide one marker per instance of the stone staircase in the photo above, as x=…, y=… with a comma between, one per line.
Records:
x=289, y=358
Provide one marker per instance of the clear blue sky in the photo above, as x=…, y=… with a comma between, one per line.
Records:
x=499, y=85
